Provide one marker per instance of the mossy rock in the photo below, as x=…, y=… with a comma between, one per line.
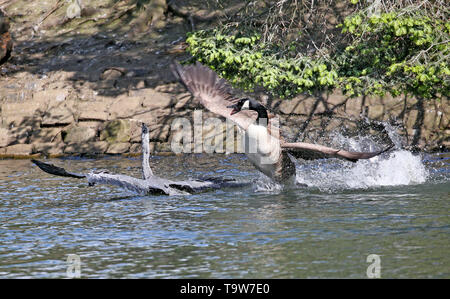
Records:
x=116, y=131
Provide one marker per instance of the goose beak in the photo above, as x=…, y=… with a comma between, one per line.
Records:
x=235, y=109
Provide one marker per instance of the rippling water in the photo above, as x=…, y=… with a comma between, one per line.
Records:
x=396, y=207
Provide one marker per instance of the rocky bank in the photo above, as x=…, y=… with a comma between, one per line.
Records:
x=83, y=86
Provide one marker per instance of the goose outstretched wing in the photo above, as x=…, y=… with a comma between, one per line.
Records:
x=213, y=92
x=309, y=151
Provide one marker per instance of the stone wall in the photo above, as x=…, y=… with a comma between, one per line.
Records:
x=59, y=121
x=422, y=124
x=74, y=88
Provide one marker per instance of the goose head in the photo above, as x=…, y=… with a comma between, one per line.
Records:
x=247, y=104
x=250, y=104
x=242, y=104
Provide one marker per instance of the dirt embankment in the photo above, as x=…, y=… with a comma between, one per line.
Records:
x=81, y=83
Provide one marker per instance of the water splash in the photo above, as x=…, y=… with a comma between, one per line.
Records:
x=392, y=132
x=399, y=168
x=265, y=184
x=395, y=168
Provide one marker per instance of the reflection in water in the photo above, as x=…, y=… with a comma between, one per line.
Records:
x=395, y=207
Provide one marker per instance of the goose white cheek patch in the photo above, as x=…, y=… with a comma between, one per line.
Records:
x=246, y=105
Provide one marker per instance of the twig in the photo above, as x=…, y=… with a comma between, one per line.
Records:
x=56, y=7
x=54, y=136
x=117, y=16
x=210, y=17
x=6, y=2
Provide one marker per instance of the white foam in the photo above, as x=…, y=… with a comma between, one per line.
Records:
x=399, y=168
x=265, y=184
x=396, y=168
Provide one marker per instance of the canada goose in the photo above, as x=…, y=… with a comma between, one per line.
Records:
x=262, y=146
x=267, y=151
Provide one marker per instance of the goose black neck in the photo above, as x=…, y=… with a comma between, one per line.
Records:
x=263, y=118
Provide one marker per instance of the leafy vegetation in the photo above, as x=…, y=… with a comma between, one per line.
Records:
x=398, y=50
x=248, y=62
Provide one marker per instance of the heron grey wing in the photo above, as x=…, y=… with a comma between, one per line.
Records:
x=213, y=92
x=55, y=170
x=152, y=185
x=193, y=186
x=309, y=151
x=157, y=185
